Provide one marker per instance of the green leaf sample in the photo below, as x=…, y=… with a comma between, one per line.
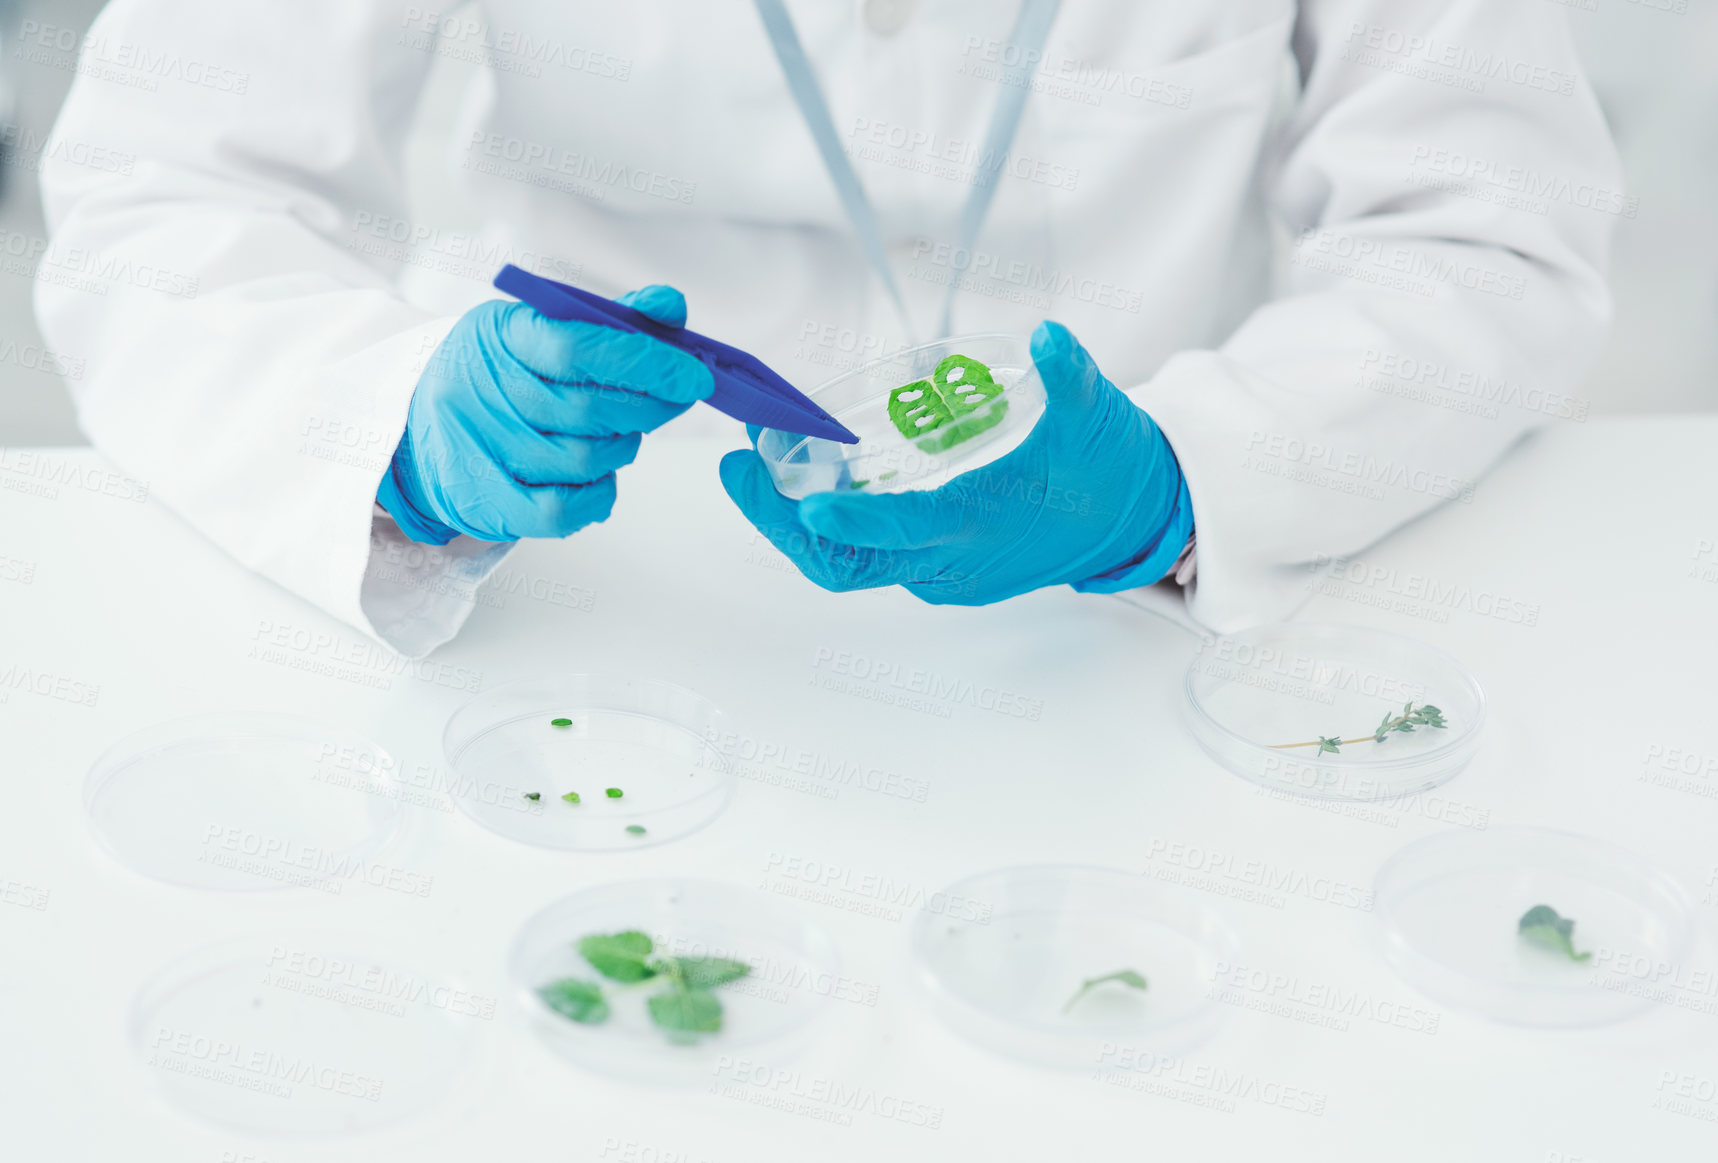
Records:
x=704, y=972
x=578, y=1000
x=945, y=410
x=635, y=829
x=683, y=1014
x=571, y=797
x=1411, y=717
x=533, y=795
x=1128, y=977
x=614, y=793
x=560, y=722
x=619, y=956
x=683, y=1010
x=1542, y=926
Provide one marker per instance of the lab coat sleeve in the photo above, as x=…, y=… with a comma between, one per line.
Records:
x=246, y=353
x=1449, y=188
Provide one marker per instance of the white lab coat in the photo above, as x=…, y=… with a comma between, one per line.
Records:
x=255, y=298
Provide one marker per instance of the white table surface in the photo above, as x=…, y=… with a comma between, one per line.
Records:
x=1601, y=528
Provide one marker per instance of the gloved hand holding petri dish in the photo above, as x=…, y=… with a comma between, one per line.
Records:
x=986, y=467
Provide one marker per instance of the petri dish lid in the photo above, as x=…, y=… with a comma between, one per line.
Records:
x=304, y=1034
x=1003, y=953
x=244, y=802
x=767, y=1015
x=663, y=747
x=884, y=461
x=1294, y=682
x=1447, y=910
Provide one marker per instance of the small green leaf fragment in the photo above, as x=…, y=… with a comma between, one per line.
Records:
x=1329, y=743
x=578, y=1000
x=702, y=972
x=619, y=956
x=613, y=793
x=571, y=797
x=683, y=1014
x=533, y=795
x=635, y=829
x=857, y=484
x=1128, y=977
x=1543, y=927
x=560, y=722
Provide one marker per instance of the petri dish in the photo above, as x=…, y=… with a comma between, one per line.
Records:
x=1294, y=682
x=767, y=1015
x=1447, y=910
x=885, y=461
x=244, y=802
x=1000, y=955
x=665, y=748
x=302, y=1034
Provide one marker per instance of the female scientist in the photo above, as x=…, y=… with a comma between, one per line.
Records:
x=1310, y=240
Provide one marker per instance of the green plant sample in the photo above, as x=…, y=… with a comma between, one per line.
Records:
x=635, y=829
x=560, y=722
x=613, y=793
x=683, y=1009
x=939, y=413
x=1411, y=717
x=1129, y=977
x=533, y=796
x=1543, y=927
x=571, y=797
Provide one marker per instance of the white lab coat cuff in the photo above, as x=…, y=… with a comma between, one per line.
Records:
x=416, y=597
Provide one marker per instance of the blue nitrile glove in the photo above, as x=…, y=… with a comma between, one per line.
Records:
x=519, y=422
x=1093, y=497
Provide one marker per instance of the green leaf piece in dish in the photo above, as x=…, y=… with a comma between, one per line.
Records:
x=560, y=722
x=703, y=972
x=619, y=956
x=1543, y=927
x=1128, y=977
x=577, y=1000
x=683, y=1014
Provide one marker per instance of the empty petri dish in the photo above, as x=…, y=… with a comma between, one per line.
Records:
x=302, y=1035
x=957, y=420
x=517, y=751
x=792, y=976
x=1260, y=701
x=1448, y=910
x=244, y=802
x=1004, y=958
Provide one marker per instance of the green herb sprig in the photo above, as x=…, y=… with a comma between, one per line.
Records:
x=684, y=1010
x=1411, y=717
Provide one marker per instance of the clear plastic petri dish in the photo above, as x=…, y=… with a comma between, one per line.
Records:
x=1258, y=702
x=1001, y=957
x=1448, y=911
x=767, y=1015
x=302, y=1035
x=945, y=443
x=244, y=802
x=518, y=750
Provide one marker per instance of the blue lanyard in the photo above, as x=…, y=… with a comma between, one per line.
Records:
x=1031, y=30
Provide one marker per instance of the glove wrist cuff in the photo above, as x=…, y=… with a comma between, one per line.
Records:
x=414, y=525
x=1153, y=563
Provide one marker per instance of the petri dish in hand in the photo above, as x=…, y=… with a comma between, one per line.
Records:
x=925, y=391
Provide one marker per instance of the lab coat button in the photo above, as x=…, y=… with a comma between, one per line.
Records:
x=887, y=17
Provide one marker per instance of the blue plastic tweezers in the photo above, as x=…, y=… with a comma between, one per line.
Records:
x=746, y=388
